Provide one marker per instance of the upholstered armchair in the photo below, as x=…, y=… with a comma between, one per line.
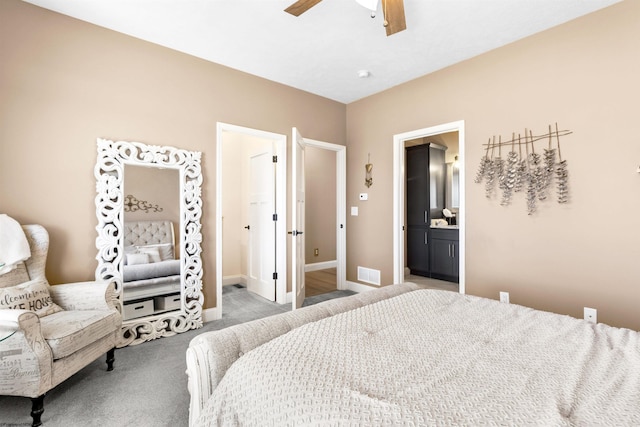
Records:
x=39, y=350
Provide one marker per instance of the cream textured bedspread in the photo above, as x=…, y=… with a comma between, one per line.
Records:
x=436, y=358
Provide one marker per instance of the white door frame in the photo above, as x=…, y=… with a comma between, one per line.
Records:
x=298, y=216
x=399, y=195
x=281, y=208
x=341, y=207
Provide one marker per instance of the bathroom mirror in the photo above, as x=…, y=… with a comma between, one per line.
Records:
x=453, y=185
x=126, y=235
x=437, y=175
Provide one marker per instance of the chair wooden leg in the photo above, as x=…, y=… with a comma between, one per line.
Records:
x=110, y=359
x=37, y=408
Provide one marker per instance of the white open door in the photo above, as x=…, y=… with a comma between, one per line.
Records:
x=261, y=257
x=297, y=219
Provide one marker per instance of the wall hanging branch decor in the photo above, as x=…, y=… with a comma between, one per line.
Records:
x=527, y=171
x=131, y=204
x=368, y=179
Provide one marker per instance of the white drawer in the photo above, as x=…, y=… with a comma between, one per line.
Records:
x=167, y=302
x=138, y=309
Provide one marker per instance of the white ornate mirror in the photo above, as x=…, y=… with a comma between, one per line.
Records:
x=158, y=274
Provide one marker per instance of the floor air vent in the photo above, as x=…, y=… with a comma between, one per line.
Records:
x=369, y=275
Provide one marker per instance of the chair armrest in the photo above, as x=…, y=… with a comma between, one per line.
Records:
x=15, y=320
x=85, y=296
x=22, y=346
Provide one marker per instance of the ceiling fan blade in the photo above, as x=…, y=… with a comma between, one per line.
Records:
x=394, y=16
x=301, y=6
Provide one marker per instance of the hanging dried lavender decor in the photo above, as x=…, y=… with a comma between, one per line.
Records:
x=562, y=175
x=528, y=172
x=485, y=164
x=511, y=172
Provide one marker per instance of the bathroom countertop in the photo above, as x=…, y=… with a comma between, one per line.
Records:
x=454, y=227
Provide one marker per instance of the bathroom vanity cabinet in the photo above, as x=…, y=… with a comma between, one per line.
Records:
x=444, y=253
x=418, y=210
x=425, y=195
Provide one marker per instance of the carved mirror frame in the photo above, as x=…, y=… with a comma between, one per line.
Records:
x=109, y=173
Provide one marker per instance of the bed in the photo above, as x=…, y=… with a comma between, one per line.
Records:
x=401, y=355
x=150, y=267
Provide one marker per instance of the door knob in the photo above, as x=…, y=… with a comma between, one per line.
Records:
x=248, y=227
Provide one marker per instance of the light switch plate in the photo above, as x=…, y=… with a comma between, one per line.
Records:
x=354, y=211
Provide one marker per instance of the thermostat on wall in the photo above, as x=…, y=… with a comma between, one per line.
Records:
x=364, y=196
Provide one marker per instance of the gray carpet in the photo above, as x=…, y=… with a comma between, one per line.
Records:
x=148, y=386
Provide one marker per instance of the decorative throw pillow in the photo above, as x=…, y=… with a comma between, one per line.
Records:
x=164, y=249
x=152, y=251
x=33, y=295
x=129, y=250
x=134, y=259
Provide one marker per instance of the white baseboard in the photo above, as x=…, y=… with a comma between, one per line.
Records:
x=358, y=287
x=209, y=314
x=240, y=279
x=320, y=265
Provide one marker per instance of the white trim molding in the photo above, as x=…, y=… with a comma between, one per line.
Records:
x=237, y=279
x=211, y=314
x=399, y=195
x=359, y=287
x=341, y=207
x=280, y=142
x=320, y=266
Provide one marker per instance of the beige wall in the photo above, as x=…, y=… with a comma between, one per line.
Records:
x=234, y=213
x=64, y=83
x=583, y=75
x=320, y=202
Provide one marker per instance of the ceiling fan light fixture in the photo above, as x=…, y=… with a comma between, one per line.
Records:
x=372, y=5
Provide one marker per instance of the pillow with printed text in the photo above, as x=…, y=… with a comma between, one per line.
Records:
x=33, y=295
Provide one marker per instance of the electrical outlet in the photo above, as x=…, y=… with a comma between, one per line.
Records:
x=504, y=297
x=316, y=252
x=591, y=315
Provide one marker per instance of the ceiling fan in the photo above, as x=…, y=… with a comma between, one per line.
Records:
x=393, y=10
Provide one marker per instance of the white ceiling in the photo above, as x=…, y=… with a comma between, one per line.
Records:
x=322, y=50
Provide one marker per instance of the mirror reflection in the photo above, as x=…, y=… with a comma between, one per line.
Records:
x=151, y=264
x=454, y=184
x=437, y=184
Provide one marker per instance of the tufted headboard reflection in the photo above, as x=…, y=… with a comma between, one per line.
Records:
x=142, y=233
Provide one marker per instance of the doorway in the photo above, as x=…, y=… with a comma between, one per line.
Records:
x=259, y=221
x=399, y=243
x=335, y=188
x=320, y=221
x=258, y=241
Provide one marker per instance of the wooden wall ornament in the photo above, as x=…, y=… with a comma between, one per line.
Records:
x=110, y=201
x=525, y=171
x=368, y=169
